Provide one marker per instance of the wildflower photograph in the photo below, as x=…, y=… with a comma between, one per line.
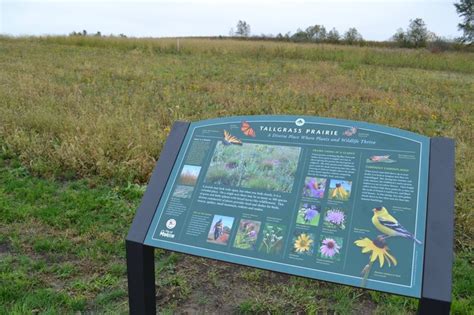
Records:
x=308, y=214
x=251, y=165
x=183, y=191
x=247, y=233
x=303, y=243
x=220, y=230
x=376, y=250
x=340, y=189
x=272, y=239
x=314, y=187
x=335, y=218
x=330, y=247
x=189, y=175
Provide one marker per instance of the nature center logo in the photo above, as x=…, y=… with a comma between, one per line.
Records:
x=299, y=122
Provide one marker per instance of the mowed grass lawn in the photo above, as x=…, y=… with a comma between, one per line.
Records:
x=82, y=121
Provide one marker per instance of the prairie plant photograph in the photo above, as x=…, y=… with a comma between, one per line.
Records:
x=335, y=218
x=303, y=243
x=314, y=187
x=330, y=247
x=247, y=234
x=189, y=175
x=183, y=191
x=272, y=239
x=340, y=189
x=257, y=166
x=308, y=214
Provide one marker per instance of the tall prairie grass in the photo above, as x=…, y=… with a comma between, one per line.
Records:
x=410, y=58
x=81, y=106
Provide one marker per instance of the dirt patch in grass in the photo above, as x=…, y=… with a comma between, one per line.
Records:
x=215, y=287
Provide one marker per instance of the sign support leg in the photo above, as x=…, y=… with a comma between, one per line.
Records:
x=432, y=307
x=141, y=278
x=438, y=261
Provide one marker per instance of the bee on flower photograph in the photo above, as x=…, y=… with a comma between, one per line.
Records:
x=314, y=187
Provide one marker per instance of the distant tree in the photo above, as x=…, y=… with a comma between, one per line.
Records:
x=84, y=33
x=333, y=36
x=352, y=36
x=417, y=33
x=465, y=9
x=299, y=36
x=231, y=32
x=316, y=33
x=401, y=38
x=98, y=34
x=243, y=29
x=439, y=44
x=122, y=35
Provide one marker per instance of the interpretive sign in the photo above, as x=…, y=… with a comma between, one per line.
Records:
x=328, y=199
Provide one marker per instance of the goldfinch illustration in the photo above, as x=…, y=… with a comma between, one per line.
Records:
x=388, y=225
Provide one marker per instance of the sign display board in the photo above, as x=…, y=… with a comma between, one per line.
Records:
x=328, y=199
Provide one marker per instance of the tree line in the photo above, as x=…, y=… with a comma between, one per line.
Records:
x=416, y=35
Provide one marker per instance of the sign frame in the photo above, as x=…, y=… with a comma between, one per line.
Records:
x=438, y=245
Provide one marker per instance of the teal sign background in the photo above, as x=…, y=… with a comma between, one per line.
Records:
x=294, y=194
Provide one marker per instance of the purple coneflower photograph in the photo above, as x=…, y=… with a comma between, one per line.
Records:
x=329, y=248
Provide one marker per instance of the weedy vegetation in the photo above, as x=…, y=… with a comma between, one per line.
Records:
x=83, y=119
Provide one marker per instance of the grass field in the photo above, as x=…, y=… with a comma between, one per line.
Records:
x=82, y=121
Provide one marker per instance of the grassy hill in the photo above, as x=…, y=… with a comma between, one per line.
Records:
x=83, y=119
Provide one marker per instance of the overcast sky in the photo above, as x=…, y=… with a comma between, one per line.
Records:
x=375, y=19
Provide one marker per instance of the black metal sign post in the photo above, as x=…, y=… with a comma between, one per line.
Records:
x=438, y=261
x=140, y=257
x=438, y=250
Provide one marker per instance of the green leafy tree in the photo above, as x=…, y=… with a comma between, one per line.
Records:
x=316, y=33
x=300, y=36
x=465, y=9
x=417, y=33
x=333, y=36
x=352, y=36
x=401, y=38
x=242, y=29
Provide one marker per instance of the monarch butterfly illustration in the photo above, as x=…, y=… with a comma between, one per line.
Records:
x=230, y=139
x=350, y=132
x=247, y=130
